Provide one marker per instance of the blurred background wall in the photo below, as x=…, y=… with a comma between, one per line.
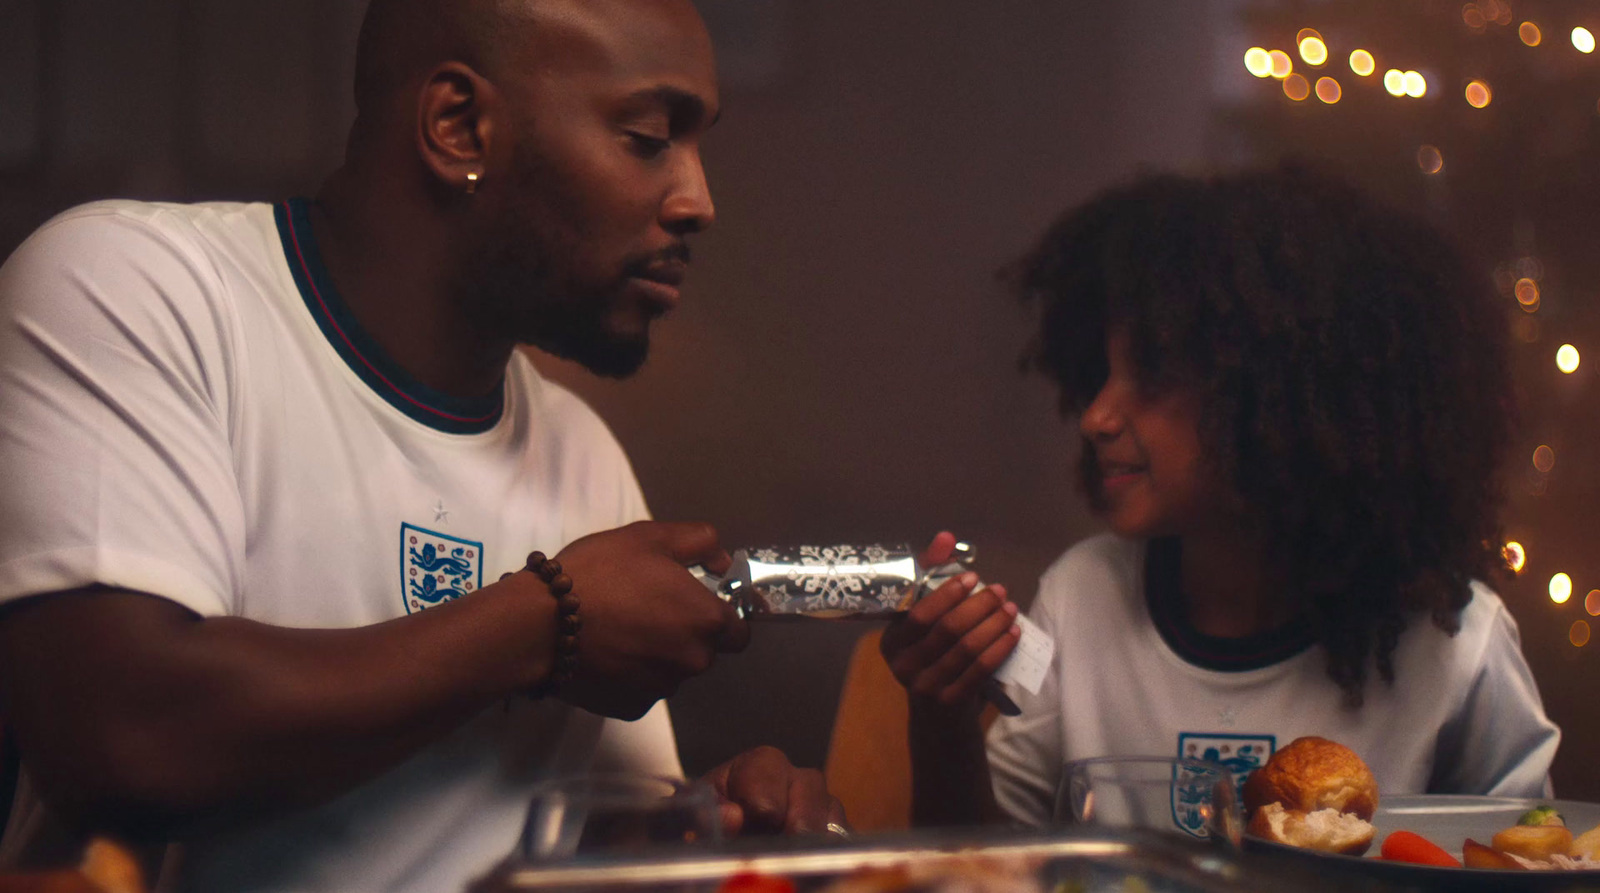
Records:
x=844, y=366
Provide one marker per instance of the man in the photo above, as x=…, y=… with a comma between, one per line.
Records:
x=265, y=467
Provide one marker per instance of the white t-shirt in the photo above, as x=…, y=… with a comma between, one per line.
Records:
x=190, y=411
x=1463, y=715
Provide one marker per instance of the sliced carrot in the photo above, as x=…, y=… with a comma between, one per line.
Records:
x=1406, y=846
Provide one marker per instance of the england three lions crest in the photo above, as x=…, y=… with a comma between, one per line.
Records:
x=1239, y=754
x=436, y=567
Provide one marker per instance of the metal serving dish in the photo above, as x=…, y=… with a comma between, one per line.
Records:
x=1081, y=859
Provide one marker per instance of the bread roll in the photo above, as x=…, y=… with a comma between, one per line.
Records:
x=1324, y=830
x=1310, y=774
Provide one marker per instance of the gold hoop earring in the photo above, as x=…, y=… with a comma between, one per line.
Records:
x=472, y=183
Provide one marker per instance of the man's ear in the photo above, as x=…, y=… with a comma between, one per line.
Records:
x=455, y=125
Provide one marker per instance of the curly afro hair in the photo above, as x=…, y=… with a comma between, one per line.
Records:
x=1351, y=367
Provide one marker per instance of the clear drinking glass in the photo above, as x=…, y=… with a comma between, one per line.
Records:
x=611, y=815
x=1196, y=798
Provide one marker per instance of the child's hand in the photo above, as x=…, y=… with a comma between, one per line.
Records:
x=951, y=640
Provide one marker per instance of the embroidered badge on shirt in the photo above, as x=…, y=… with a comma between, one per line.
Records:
x=436, y=567
x=1240, y=753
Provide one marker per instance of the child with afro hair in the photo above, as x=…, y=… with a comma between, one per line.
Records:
x=1294, y=404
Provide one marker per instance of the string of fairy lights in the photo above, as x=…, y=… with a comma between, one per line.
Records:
x=1519, y=279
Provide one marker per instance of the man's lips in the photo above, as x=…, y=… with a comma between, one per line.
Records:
x=660, y=282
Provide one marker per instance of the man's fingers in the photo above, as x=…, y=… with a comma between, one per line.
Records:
x=758, y=780
x=691, y=542
x=734, y=634
x=810, y=804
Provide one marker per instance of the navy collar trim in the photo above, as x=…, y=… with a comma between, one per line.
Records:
x=436, y=409
x=1163, y=588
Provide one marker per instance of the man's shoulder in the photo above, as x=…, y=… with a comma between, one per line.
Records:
x=122, y=231
x=167, y=217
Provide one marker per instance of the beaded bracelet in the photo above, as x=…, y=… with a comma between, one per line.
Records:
x=568, y=621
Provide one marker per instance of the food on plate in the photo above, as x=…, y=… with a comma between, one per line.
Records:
x=1315, y=794
x=1542, y=815
x=754, y=882
x=1325, y=830
x=1407, y=846
x=1586, y=845
x=1476, y=855
x=1533, y=841
x=965, y=874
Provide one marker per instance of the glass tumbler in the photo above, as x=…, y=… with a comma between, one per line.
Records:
x=616, y=815
x=1195, y=798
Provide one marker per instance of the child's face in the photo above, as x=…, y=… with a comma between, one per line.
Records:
x=1143, y=465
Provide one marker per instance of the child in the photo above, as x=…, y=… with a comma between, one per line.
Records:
x=1293, y=403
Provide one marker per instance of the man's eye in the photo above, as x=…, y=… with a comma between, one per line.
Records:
x=647, y=146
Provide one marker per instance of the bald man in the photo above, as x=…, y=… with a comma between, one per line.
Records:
x=272, y=472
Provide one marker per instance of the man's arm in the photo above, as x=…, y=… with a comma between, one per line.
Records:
x=137, y=716
x=134, y=714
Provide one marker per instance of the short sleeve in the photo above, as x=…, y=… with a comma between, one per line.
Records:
x=115, y=460
x=1026, y=751
x=1500, y=742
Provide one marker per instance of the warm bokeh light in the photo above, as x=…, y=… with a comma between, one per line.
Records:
x=1544, y=458
x=1328, y=90
x=1394, y=80
x=1579, y=635
x=1362, y=63
x=1560, y=588
x=1473, y=16
x=1516, y=557
x=1530, y=34
x=1296, y=87
x=1430, y=159
x=1416, y=85
x=1279, y=64
x=1583, y=39
x=1258, y=62
x=1591, y=603
x=1314, y=51
x=1527, y=292
x=1567, y=359
x=1478, y=94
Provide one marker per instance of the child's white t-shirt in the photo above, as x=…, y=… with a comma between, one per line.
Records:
x=191, y=412
x=1463, y=715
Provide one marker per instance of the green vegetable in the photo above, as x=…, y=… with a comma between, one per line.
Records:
x=1542, y=815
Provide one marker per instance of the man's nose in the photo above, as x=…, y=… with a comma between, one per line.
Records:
x=688, y=208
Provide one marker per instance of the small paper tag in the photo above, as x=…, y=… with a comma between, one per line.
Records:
x=1030, y=660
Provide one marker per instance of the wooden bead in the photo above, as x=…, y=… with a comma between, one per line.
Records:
x=571, y=624
x=535, y=559
x=568, y=603
x=560, y=585
x=552, y=568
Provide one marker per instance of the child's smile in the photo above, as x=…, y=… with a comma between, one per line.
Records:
x=1142, y=463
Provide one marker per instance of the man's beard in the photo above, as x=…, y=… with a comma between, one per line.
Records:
x=518, y=287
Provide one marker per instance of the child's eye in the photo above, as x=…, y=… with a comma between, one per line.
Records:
x=646, y=146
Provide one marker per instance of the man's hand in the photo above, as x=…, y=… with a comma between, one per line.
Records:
x=763, y=793
x=647, y=623
x=951, y=640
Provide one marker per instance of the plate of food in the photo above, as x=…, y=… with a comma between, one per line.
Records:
x=1317, y=799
